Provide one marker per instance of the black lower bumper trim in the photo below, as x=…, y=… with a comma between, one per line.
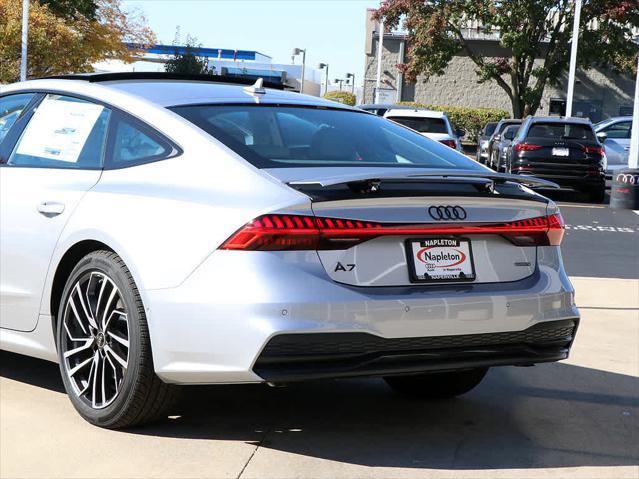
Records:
x=296, y=357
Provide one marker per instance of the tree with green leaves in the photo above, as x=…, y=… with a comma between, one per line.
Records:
x=535, y=36
x=185, y=61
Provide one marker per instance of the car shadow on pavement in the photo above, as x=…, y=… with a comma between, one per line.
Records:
x=553, y=415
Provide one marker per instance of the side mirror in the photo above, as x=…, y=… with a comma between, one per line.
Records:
x=602, y=137
x=460, y=132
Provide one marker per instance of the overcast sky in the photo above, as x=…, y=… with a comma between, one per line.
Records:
x=332, y=31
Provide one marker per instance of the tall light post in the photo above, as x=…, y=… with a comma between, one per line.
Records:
x=573, y=58
x=25, y=38
x=633, y=159
x=340, y=81
x=297, y=51
x=324, y=66
x=352, y=77
x=380, y=45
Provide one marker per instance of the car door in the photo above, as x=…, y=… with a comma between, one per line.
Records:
x=617, y=144
x=48, y=161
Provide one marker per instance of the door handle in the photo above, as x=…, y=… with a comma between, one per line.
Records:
x=50, y=208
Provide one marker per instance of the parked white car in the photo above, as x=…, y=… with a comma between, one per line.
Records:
x=432, y=124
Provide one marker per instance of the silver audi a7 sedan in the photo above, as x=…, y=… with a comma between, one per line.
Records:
x=160, y=230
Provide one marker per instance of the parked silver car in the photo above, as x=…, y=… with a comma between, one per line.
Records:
x=159, y=231
x=617, y=133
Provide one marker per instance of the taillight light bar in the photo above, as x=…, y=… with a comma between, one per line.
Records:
x=527, y=147
x=275, y=232
x=597, y=150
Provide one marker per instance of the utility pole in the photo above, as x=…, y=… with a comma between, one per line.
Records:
x=573, y=58
x=380, y=47
x=25, y=38
x=633, y=159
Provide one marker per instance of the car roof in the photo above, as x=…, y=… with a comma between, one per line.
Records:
x=384, y=105
x=415, y=112
x=168, y=91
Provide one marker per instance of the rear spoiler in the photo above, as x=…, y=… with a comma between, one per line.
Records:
x=458, y=176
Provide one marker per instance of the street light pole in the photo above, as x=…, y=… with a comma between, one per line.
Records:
x=297, y=51
x=633, y=159
x=380, y=44
x=352, y=77
x=25, y=37
x=340, y=81
x=573, y=58
x=325, y=66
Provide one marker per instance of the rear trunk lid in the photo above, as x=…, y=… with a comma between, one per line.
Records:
x=430, y=233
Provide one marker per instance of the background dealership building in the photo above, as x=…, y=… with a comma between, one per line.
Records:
x=599, y=94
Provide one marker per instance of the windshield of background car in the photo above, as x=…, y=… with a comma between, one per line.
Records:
x=489, y=129
x=292, y=136
x=561, y=131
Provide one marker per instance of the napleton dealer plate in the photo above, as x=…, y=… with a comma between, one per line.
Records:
x=440, y=260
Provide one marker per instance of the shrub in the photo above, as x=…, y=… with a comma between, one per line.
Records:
x=470, y=119
x=345, y=97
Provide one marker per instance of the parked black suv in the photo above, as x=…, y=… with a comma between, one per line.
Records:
x=563, y=150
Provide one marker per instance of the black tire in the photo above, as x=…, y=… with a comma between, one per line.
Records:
x=136, y=395
x=437, y=385
x=598, y=195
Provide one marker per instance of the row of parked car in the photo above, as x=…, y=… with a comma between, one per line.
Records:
x=571, y=152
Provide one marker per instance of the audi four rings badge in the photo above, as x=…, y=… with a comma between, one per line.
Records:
x=440, y=213
x=627, y=178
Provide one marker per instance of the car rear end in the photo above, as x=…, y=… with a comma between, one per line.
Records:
x=431, y=124
x=399, y=256
x=565, y=152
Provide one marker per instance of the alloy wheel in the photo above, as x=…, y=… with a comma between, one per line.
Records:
x=95, y=341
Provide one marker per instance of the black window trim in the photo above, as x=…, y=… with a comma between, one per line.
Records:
x=39, y=95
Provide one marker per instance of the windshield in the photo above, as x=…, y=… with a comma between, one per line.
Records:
x=293, y=136
x=422, y=125
x=568, y=131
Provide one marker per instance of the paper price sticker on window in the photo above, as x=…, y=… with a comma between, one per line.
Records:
x=59, y=129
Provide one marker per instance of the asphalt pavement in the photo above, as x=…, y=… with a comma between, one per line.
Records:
x=576, y=418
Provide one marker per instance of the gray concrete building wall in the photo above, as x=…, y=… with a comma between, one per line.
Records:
x=599, y=93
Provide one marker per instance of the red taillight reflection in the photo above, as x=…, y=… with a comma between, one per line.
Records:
x=449, y=143
x=296, y=232
x=527, y=147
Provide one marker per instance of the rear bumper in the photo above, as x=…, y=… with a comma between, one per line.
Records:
x=295, y=357
x=216, y=326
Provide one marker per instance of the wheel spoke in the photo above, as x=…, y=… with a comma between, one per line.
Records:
x=111, y=352
x=96, y=360
x=84, y=307
x=120, y=340
x=85, y=346
x=79, y=366
x=114, y=291
x=115, y=373
x=122, y=314
x=75, y=313
x=71, y=337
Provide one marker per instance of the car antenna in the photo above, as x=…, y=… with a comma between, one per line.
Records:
x=256, y=88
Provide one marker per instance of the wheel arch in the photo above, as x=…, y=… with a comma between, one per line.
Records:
x=66, y=264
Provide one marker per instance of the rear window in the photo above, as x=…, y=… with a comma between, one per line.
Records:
x=566, y=131
x=290, y=136
x=489, y=129
x=422, y=125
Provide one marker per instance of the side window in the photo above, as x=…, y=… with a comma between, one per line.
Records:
x=134, y=143
x=11, y=107
x=619, y=130
x=64, y=132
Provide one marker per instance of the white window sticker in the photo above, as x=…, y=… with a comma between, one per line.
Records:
x=59, y=129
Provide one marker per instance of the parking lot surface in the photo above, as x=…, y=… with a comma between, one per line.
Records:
x=577, y=418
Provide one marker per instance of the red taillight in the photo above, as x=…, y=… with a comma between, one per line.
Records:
x=449, y=143
x=294, y=232
x=527, y=147
x=597, y=150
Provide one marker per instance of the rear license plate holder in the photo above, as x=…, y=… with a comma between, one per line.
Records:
x=440, y=260
x=560, y=152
